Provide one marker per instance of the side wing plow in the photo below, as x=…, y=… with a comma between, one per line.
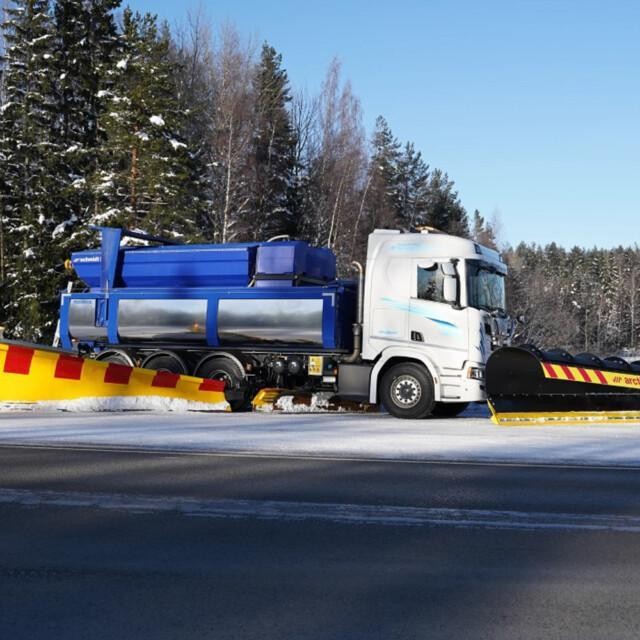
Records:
x=31, y=374
x=526, y=385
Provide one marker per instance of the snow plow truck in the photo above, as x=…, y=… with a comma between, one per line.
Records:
x=424, y=333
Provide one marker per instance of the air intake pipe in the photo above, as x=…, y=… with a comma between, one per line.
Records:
x=357, y=327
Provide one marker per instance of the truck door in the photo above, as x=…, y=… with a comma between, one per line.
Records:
x=436, y=321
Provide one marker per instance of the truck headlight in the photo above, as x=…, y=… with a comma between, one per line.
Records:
x=475, y=373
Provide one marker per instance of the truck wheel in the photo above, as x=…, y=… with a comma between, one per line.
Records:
x=116, y=356
x=407, y=391
x=236, y=388
x=165, y=361
x=448, y=409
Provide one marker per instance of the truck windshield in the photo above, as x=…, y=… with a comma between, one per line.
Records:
x=485, y=286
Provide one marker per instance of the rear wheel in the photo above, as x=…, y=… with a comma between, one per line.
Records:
x=236, y=391
x=407, y=391
x=448, y=409
x=116, y=356
x=165, y=361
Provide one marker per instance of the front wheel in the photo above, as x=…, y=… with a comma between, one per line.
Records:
x=407, y=391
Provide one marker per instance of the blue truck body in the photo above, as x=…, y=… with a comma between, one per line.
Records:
x=264, y=296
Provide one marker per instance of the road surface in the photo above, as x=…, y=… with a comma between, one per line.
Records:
x=103, y=543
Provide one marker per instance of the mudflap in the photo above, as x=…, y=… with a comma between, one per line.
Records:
x=526, y=385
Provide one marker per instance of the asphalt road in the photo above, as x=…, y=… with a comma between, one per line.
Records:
x=125, y=544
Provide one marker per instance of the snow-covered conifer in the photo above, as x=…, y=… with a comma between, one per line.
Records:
x=29, y=173
x=413, y=188
x=142, y=178
x=85, y=38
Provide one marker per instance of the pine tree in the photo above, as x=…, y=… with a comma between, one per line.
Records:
x=85, y=39
x=384, y=197
x=445, y=212
x=29, y=180
x=144, y=166
x=274, y=148
x=482, y=231
x=413, y=179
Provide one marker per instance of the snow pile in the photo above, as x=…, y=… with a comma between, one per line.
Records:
x=119, y=403
x=316, y=403
x=319, y=403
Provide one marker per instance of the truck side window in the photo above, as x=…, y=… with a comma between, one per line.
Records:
x=430, y=285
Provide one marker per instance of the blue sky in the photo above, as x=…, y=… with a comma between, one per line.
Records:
x=531, y=106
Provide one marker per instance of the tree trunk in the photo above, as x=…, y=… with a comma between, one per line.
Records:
x=134, y=179
x=632, y=314
x=227, y=191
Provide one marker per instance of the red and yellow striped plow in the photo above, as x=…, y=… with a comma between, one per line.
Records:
x=527, y=386
x=30, y=374
x=553, y=371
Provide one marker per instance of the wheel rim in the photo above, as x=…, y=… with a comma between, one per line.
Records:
x=406, y=391
x=115, y=357
x=223, y=376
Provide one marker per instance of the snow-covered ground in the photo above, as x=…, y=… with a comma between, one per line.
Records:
x=471, y=437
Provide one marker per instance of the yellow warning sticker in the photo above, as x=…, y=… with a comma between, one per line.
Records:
x=315, y=365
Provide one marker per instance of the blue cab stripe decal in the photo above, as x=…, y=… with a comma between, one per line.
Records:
x=403, y=306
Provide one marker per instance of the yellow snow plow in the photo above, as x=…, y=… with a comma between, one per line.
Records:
x=33, y=374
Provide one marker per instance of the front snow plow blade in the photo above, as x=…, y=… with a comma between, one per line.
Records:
x=526, y=385
x=31, y=374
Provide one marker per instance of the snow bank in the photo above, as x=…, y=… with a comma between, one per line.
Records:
x=348, y=435
x=118, y=403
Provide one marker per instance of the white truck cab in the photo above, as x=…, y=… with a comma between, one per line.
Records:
x=434, y=309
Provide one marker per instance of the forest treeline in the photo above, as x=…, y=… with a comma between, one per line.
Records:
x=109, y=117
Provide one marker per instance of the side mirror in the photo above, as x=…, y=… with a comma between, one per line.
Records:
x=450, y=289
x=448, y=268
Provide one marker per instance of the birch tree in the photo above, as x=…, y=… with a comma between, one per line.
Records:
x=230, y=159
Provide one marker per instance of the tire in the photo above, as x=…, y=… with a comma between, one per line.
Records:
x=117, y=357
x=170, y=363
x=236, y=390
x=448, y=409
x=407, y=391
